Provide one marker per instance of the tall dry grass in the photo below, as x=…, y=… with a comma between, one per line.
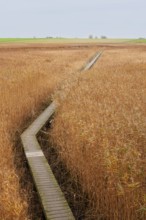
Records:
x=100, y=133
x=27, y=79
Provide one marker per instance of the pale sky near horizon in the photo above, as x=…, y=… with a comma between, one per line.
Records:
x=77, y=18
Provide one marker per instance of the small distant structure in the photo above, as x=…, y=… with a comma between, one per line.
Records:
x=103, y=37
x=49, y=37
x=90, y=36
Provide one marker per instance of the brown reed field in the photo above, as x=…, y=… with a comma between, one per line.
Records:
x=28, y=76
x=99, y=131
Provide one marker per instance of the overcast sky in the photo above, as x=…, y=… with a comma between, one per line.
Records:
x=76, y=18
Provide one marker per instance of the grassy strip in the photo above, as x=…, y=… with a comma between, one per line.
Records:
x=139, y=41
x=62, y=40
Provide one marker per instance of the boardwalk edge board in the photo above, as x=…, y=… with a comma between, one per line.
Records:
x=52, y=198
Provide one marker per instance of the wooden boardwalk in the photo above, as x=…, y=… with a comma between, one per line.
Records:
x=54, y=204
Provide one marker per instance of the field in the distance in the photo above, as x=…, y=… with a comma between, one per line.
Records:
x=28, y=76
x=68, y=40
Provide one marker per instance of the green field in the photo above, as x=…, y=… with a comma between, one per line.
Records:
x=68, y=40
x=139, y=41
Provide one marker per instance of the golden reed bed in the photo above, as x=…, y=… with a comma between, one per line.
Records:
x=28, y=76
x=100, y=134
